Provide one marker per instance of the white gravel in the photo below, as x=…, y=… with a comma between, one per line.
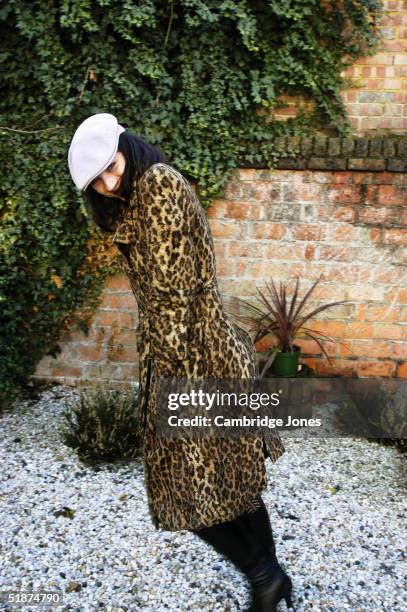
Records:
x=344, y=550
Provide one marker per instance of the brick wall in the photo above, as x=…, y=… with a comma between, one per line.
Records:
x=377, y=100
x=336, y=207
x=348, y=226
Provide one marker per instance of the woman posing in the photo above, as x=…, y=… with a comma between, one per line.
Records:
x=210, y=487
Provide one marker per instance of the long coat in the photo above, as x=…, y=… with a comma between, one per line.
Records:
x=167, y=252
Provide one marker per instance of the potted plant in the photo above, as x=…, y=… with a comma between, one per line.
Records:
x=285, y=320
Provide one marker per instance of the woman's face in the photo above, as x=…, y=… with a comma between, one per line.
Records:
x=108, y=182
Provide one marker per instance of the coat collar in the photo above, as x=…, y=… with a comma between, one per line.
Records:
x=124, y=231
x=124, y=227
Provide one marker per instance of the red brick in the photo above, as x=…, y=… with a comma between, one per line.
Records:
x=376, y=235
x=237, y=287
x=399, y=351
x=128, y=354
x=335, y=253
x=382, y=313
x=90, y=352
x=246, y=248
x=310, y=361
x=267, y=229
x=220, y=248
x=392, y=5
x=308, y=346
x=360, y=313
x=375, y=123
x=377, y=216
x=386, y=277
x=262, y=191
x=331, y=348
x=363, y=274
x=285, y=251
x=337, y=273
x=124, y=337
x=305, y=192
x=261, y=270
x=365, y=348
x=248, y=174
x=395, y=47
x=217, y=209
x=375, y=368
x=257, y=212
x=355, y=123
x=337, y=366
x=240, y=268
x=345, y=233
x=117, y=283
x=111, y=317
x=349, y=194
x=335, y=329
x=349, y=95
x=225, y=229
x=391, y=196
x=359, y=330
x=237, y=210
x=383, y=58
x=390, y=331
x=309, y=251
x=397, y=237
x=342, y=176
x=225, y=267
x=396, y=296
x=66, y=371
x=264, y=344
x=233, y=188
x=308, y=232
x=402, y=370
x=96, y=335
x=116, y=301
x=343, y=213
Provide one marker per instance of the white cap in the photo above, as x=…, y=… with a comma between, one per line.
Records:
x=93, y=148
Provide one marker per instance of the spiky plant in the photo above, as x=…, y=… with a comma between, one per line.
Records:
x=283, y=318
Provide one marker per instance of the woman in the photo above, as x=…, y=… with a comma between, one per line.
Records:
x=210, y=487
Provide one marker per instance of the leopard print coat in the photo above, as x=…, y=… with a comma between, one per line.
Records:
x=167, y=252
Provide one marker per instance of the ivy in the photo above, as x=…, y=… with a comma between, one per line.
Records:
x=201, y=79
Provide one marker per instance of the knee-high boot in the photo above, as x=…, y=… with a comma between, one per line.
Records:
x=232, y=540
x=247, y=541
x=258, y=522
x=269, y=581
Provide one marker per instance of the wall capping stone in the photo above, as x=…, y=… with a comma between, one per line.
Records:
x=326, y=153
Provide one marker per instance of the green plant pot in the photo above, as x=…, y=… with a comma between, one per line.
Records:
x=286, y=364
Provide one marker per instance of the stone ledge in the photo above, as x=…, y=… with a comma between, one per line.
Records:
x=326, y=153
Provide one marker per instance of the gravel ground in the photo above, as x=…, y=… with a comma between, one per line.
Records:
x=337, y=506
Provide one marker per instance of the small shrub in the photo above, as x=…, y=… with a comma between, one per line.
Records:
x=103, y=424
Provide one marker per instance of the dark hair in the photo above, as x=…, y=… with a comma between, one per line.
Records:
x=139, y=157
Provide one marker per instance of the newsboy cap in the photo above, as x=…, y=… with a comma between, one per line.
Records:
x=93, y=148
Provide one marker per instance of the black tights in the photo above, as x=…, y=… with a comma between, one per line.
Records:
x=244, y=540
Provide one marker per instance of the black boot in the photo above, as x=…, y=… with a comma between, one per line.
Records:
x=270, y=584
x=232, y=540
x=268, y=580
x=248, y=542
x=258, y=523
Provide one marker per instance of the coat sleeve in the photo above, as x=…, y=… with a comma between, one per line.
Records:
x=171, y=270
